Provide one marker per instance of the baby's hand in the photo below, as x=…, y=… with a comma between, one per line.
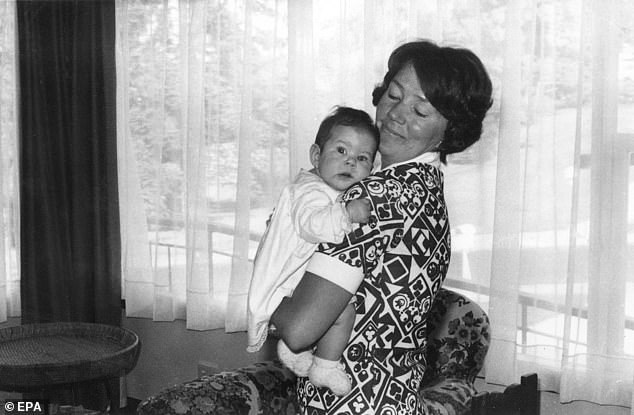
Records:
x=359, y=210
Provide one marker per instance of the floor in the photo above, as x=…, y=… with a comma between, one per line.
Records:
x=550, y=404
x=130, y=409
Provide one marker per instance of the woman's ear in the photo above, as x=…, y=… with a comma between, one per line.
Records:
x=314, y=155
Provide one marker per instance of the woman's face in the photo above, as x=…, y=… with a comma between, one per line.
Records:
x=409, y=124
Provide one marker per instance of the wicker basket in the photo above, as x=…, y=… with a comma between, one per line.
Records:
x=45, y=355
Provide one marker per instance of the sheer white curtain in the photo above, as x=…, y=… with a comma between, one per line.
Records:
x=9, y=219
x=203, y=139
x=220, y=100
x=561, y=284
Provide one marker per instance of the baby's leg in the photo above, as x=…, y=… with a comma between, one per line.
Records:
x=334, y=341
x=326, y=369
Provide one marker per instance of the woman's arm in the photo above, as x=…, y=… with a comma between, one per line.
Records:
x=333, y=275
x=316, y=303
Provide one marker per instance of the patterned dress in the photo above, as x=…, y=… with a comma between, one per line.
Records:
x=402, y=255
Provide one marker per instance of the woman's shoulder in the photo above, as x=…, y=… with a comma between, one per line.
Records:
x=408, y=174
x=392, y=183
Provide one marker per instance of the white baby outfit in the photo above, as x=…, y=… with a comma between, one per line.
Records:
x=308, y=212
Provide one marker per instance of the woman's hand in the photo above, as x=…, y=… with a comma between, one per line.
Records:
x=359, y=210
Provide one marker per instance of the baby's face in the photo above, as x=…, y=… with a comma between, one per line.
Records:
x=346, y=158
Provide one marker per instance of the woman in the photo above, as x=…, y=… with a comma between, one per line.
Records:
x=431, y=103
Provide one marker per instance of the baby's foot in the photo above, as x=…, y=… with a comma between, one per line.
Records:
x=332, y=376
x=298, y=363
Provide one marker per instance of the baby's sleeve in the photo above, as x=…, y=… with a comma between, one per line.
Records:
x=317, y=217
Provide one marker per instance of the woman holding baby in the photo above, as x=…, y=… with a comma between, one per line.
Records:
x=431, y=103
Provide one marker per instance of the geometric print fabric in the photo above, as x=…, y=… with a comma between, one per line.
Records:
x=404, y=252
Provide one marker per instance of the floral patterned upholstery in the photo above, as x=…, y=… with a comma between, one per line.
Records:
x=458, y=342
x=265, y=388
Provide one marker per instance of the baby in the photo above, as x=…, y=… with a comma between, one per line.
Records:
x=309, y=212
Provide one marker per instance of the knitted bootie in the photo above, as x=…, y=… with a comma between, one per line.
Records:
x=331, y=374
x=298, y=363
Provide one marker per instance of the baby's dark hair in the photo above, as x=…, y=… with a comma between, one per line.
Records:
x=454, y=81
x=348, y=117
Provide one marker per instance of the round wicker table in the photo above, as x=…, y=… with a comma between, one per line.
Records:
x=48, y=355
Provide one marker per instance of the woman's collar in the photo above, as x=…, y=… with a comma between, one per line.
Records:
x=432, y=158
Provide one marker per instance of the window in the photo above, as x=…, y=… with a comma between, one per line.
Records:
x=220, y=100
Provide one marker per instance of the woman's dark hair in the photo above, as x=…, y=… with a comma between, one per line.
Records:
x=454, y=81
x=348, y=117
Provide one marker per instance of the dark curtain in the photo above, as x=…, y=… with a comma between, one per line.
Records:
x=70, y=243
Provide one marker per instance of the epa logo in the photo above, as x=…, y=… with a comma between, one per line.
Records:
x=33, y=407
